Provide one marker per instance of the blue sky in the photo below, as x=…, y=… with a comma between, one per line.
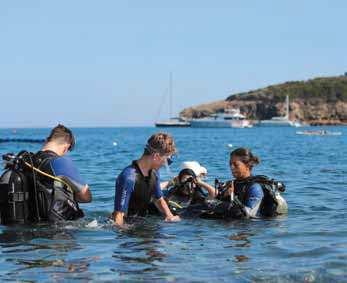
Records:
x=107, y=63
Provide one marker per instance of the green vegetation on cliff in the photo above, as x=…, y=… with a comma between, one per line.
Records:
x=322, y=100
x=329, y=89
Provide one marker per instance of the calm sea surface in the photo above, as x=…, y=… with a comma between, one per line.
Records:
x=308, y=245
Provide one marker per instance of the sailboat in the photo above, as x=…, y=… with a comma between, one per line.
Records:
x=280, y=121
x=172, y=121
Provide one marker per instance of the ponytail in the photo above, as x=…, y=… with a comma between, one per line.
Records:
x=246, y=156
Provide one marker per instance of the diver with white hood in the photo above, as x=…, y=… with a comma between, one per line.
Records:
x=188, y=189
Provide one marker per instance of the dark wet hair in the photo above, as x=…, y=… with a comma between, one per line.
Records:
x=246, y=156
x=62, y=134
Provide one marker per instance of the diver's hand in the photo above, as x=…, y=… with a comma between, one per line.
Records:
x=230, y=189
x=172, y=218
x=199, y=182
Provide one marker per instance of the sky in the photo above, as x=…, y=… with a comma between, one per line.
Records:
x=107, y=63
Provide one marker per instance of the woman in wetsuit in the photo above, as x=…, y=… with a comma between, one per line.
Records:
x=245, y=194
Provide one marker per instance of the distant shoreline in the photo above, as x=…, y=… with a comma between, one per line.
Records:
x=309, y=124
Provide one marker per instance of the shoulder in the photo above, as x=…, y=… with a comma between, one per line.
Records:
x=156, y=174
x=256, y=189
x=62, y=163
x=127, y=174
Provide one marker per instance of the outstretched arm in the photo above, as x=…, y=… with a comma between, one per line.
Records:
x=64, y=168
x=82, y=192
x=163, y=207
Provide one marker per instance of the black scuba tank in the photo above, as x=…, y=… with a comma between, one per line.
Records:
x=15, y=193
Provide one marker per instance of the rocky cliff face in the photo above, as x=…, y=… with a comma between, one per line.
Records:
x=317, y=101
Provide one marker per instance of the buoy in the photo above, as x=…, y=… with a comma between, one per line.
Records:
x=92, y=224
x=114, y=143
x=229, y=145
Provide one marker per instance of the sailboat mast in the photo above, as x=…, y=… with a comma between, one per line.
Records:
x=287, y=107
x=170, y=95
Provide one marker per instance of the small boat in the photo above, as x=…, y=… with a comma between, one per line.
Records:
x=231, y=118
x=280, y=121
x=318, y=133
x=173, y=122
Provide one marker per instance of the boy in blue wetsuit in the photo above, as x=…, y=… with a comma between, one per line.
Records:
x=138, y=185
x=56, y=200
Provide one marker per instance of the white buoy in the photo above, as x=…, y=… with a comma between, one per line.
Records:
x=92, y=224
x=230, y=145
x=115, y=144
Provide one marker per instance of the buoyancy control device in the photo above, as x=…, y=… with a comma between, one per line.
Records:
x=272, y=204
x=25, y=199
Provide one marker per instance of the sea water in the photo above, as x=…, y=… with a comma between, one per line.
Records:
x=307, y=245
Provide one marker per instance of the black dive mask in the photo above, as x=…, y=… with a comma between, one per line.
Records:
x=187, y=187
x=169, y=160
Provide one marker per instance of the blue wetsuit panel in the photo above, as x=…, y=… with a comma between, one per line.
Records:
x=158, y=193
x=63, y=166
x=125, y=185
x=255, y=195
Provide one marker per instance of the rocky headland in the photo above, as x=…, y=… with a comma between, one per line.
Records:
x=319, y=101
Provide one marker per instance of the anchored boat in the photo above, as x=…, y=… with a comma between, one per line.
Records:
x=280, y=121
x=231, y=118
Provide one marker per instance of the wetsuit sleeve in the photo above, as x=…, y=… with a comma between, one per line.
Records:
x=158, y=193
x=255, y=196
x=63, y=166
x=125, y=184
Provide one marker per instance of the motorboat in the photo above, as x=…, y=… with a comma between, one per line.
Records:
x=230, y=118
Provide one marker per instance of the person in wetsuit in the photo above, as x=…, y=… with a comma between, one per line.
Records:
x=56, y=200
x=245, y=196
x=138, y=185
x=188, y=191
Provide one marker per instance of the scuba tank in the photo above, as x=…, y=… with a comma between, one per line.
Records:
x=282, y=206
x=273, y=203
x=16, y=195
